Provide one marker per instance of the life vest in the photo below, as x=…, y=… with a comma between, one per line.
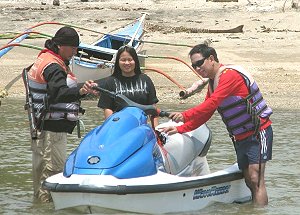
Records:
x=239, y=114
x=38, y=90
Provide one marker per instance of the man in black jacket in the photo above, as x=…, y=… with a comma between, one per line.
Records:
x=56, y=104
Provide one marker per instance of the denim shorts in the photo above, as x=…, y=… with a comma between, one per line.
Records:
x=255, y=149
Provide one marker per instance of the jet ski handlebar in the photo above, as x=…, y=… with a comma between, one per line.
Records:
x=163, y=113
x=123, y=102
x=105, y=91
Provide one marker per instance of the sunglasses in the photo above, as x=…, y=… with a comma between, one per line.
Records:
x=198, y=63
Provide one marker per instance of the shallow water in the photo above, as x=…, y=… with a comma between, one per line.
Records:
x=282, y=173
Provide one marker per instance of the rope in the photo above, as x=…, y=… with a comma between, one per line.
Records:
x=166, y=75
x=180, y=60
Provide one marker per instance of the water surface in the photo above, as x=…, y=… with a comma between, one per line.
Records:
x=282, y=173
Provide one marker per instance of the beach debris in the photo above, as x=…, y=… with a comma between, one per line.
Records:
x=56, y=2
x=3, y=94
x=268, y=30
x=168, y=29
x=295, y=4
x=222, y=0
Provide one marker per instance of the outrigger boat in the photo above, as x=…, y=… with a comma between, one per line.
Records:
x=95, y=61
x=121, y=165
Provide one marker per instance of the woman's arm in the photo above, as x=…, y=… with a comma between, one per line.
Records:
x=107, y=113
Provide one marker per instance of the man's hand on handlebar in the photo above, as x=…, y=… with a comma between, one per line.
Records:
x=176, y=116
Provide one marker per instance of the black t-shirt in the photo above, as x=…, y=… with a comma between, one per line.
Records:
x=138, y=88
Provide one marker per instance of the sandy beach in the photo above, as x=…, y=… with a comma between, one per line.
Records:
x=268, y=47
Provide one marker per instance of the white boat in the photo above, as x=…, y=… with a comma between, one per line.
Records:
x=95, y=61
x=120, y=166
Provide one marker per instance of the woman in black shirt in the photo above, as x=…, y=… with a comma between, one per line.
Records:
x=127, y=79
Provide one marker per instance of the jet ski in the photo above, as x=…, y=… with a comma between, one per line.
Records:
x=127, y=165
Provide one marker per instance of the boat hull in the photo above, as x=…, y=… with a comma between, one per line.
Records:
x=160, y=193
x=95, y=61
x=91, y=70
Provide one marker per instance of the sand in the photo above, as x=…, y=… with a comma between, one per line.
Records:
x=268, y=47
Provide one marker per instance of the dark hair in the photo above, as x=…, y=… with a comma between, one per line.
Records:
x=65, y=36
x=49, y=44
x=132, y=52
x=205, y=51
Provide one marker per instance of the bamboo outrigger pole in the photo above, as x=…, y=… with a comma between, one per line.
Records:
x=138, y=29
x=99, y=32
x=30, y=32
x=21, y=45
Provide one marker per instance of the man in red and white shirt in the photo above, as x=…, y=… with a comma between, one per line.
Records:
x=234, y=93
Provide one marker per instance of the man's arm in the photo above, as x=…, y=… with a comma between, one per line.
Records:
x=230, y=84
